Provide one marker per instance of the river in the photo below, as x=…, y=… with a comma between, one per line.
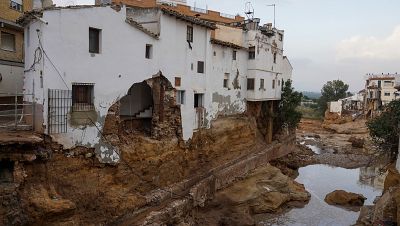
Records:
x=320, y=180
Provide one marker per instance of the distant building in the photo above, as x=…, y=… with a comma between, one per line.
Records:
x=379, y=91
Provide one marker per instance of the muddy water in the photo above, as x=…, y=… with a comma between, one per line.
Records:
x=320, y=180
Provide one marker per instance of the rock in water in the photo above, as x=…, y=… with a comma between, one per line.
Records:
x=357, y=142
x=343, y=198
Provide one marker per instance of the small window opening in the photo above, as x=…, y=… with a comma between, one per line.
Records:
x=7, y=41
x=262, y=84
x=280, y=37
x=200, y=67
x=250, y=84
x=177, y=81
x=149, y=51
x=198, y=100
x=82, y=97
x=16, y=5
x=94, y=40
x=387, y=94
x=189, y=34
x=274, y=58
x=252, y=53
x=234, y=55
x=226, y=80
x=273, y=84
x=180, y=97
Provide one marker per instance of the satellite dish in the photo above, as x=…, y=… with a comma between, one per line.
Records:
x=249, y=11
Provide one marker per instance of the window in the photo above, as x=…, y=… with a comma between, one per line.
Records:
x=387, y=94
x=279, y=82
x=280, y=37
x=149, y=51
x=262, y=84
x=177, y=81
x=215, y=53
x=274, y=58
x=7, y=41
x=200, y=67
x=273, y=84
x=226, y=80
x=16, y=5
x=198, y=100
x=82, y=96
x=180, y=97
x=191, y=66
x=250, y=84
x=234, y=55
x=189, y=34
x=94, y=40
x=252, y=53
x=388, y=83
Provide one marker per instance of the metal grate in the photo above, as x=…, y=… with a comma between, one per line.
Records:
x=60, y=102
x=15, y=113
x=82, y=96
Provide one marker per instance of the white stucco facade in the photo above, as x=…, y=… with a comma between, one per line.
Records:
x=121, y=62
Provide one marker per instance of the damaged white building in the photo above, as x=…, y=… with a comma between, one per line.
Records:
x=155, y=63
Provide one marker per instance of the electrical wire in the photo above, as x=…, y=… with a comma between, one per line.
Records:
x=37, y=57
x=51, y=62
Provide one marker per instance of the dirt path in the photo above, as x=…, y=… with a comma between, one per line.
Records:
x=346, y=145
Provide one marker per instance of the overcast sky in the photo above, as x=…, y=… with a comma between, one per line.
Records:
x=326, y=39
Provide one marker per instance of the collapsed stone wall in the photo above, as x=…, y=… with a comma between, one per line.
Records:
x=166, y=120
x=177, y=211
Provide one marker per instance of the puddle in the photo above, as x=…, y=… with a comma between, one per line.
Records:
x=320, y=180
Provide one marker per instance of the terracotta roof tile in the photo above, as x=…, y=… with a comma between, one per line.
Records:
x=190, y=19
x=227, y=44
x=140, y=27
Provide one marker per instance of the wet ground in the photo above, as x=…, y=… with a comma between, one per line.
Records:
x=320, y=180
x=335, y=165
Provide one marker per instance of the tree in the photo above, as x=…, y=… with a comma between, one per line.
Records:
x=384, y=129
x=332, y=91
x=290, y=100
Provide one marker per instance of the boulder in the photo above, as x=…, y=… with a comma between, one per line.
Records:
x=265, y=190
x=343, y=198
x=357, y=142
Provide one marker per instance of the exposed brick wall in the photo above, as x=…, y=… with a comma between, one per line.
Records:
x=10, y=14
x=18, y=55
x=166, y=121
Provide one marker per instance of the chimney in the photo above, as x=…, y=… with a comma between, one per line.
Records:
x=269, y=26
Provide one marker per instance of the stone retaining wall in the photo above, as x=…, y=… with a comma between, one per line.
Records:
x=218, y=179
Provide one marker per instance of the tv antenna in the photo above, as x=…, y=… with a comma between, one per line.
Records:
x=249, y=11
x=274, y=5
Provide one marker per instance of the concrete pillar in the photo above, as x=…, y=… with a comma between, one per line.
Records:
x=270, y=122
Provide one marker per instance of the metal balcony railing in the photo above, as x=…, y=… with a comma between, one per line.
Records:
x=15, y=113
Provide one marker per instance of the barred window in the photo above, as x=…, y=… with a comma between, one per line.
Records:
x=82, y=96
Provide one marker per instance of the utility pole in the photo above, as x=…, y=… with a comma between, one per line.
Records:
x=274, y=5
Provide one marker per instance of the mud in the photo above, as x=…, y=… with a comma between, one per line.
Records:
x=72, y=187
